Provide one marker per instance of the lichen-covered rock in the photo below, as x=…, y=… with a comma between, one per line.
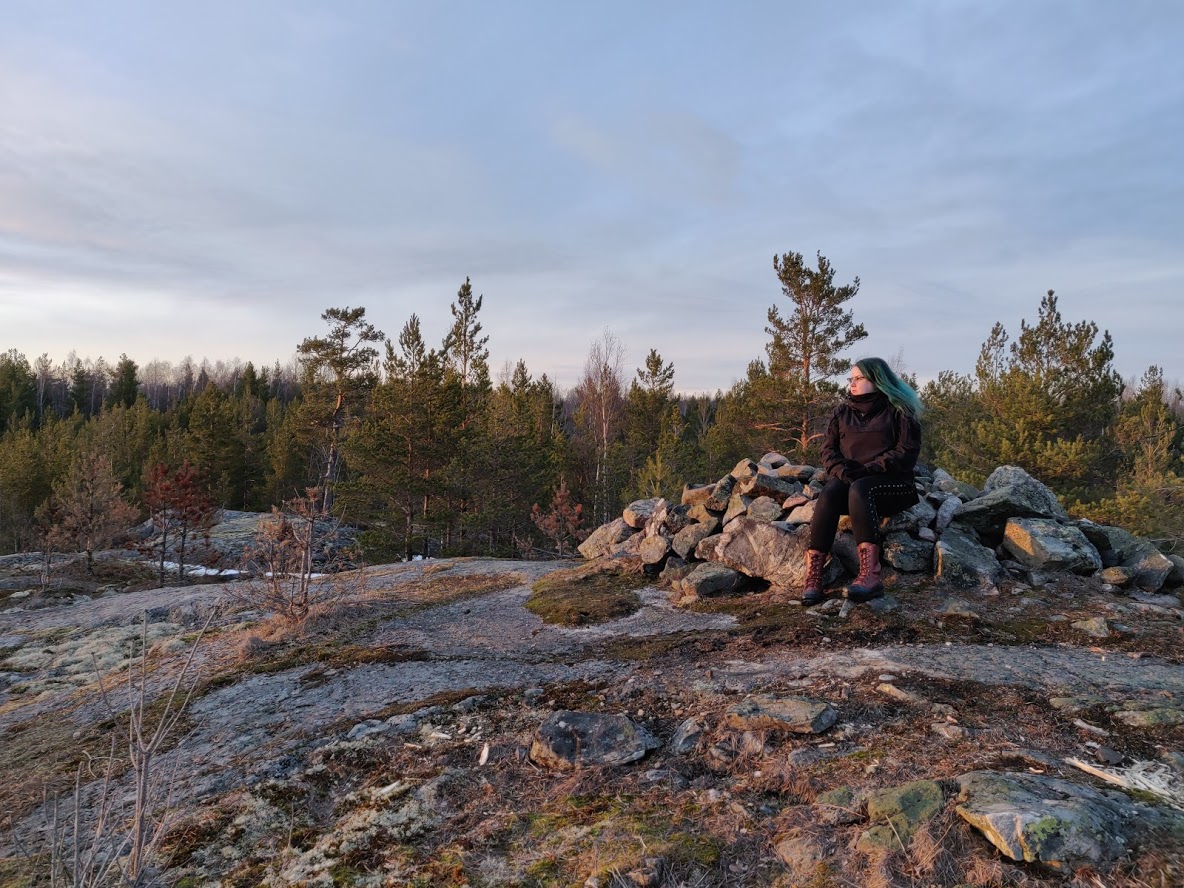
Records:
x=605, y=537
x=761, y=549
x=898, y=812
x=796, y=714
x=1151, y=567
x=697, y=494
x=654, y=550
x=1044, y=544
x=765, y=483
x=1023, y=497
x=963, y=561
x=838, y=807
x=1094, y=627
x=721, y=495
x=637, y=513
x=764, y=508
x=907, y=554
x=921, y=514
x=1014, y=477
x=568, y=740
x=1151, y=716
x=687, y=736
x=705, y=580
x=801, y=853
x=689, y=537
x=1033, y=817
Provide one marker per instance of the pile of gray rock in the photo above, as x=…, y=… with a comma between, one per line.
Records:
x=754, y=523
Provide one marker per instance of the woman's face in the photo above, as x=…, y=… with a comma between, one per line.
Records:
x=858, y=384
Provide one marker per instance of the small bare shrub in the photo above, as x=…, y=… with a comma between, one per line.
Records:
x=296, y=564
x=94, y=840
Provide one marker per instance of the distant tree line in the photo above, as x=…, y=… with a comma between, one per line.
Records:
x=424, y=449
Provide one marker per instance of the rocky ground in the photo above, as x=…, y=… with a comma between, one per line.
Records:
x=443, y=725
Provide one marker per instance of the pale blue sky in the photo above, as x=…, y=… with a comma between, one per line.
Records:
x=204, y=179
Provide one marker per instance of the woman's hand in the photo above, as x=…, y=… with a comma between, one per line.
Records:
x=851, y=471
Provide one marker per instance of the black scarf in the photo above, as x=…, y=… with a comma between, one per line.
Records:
x=869, y=404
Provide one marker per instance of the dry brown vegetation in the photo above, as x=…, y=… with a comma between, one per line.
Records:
x=707, y=818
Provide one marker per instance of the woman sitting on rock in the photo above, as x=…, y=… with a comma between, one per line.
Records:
x=870, y=450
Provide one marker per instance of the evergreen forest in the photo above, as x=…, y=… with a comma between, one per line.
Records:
x=423, y=449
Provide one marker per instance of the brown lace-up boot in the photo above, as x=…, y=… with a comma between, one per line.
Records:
x=813, y=593
x=867, y=585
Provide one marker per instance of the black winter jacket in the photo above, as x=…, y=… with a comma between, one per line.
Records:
x=868, y=436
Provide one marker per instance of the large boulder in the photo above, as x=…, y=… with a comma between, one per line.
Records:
x=721, y=495
x=765, y=483
x=705, y=580
x=568, y=740
x=1013, y=476
x=654, y=550
x=907, y=554
x=764, y=508
x=689, y=537
x=605, y=537
x=1043, y=544
x=911, y=519
x=963, y=561
x=760, y=549
x=946, y=512
x=697, y=494
x=637, y=513
x=1010, y=493
x=1032, y=817
x=1151, y=568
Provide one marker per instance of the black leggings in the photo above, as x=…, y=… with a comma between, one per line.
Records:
x=866, y=501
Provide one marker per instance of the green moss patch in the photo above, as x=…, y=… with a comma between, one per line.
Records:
x=580, y=597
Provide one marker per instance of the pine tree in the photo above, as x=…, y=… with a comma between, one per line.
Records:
x=804, y=353
x=18, y=389
x=647, y=408
x=1048, y=402
x=87, y=510
x=341, y=367
x=180, y=507
x=402, y=445
x=561, y=522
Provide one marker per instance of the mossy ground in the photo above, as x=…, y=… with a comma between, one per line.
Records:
x=580, y=597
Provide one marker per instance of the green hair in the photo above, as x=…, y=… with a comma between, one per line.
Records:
x=899, y=393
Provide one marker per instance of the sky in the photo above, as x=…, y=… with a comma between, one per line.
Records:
x=205, y=179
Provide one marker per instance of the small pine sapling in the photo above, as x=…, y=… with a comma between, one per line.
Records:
x=561, y=523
